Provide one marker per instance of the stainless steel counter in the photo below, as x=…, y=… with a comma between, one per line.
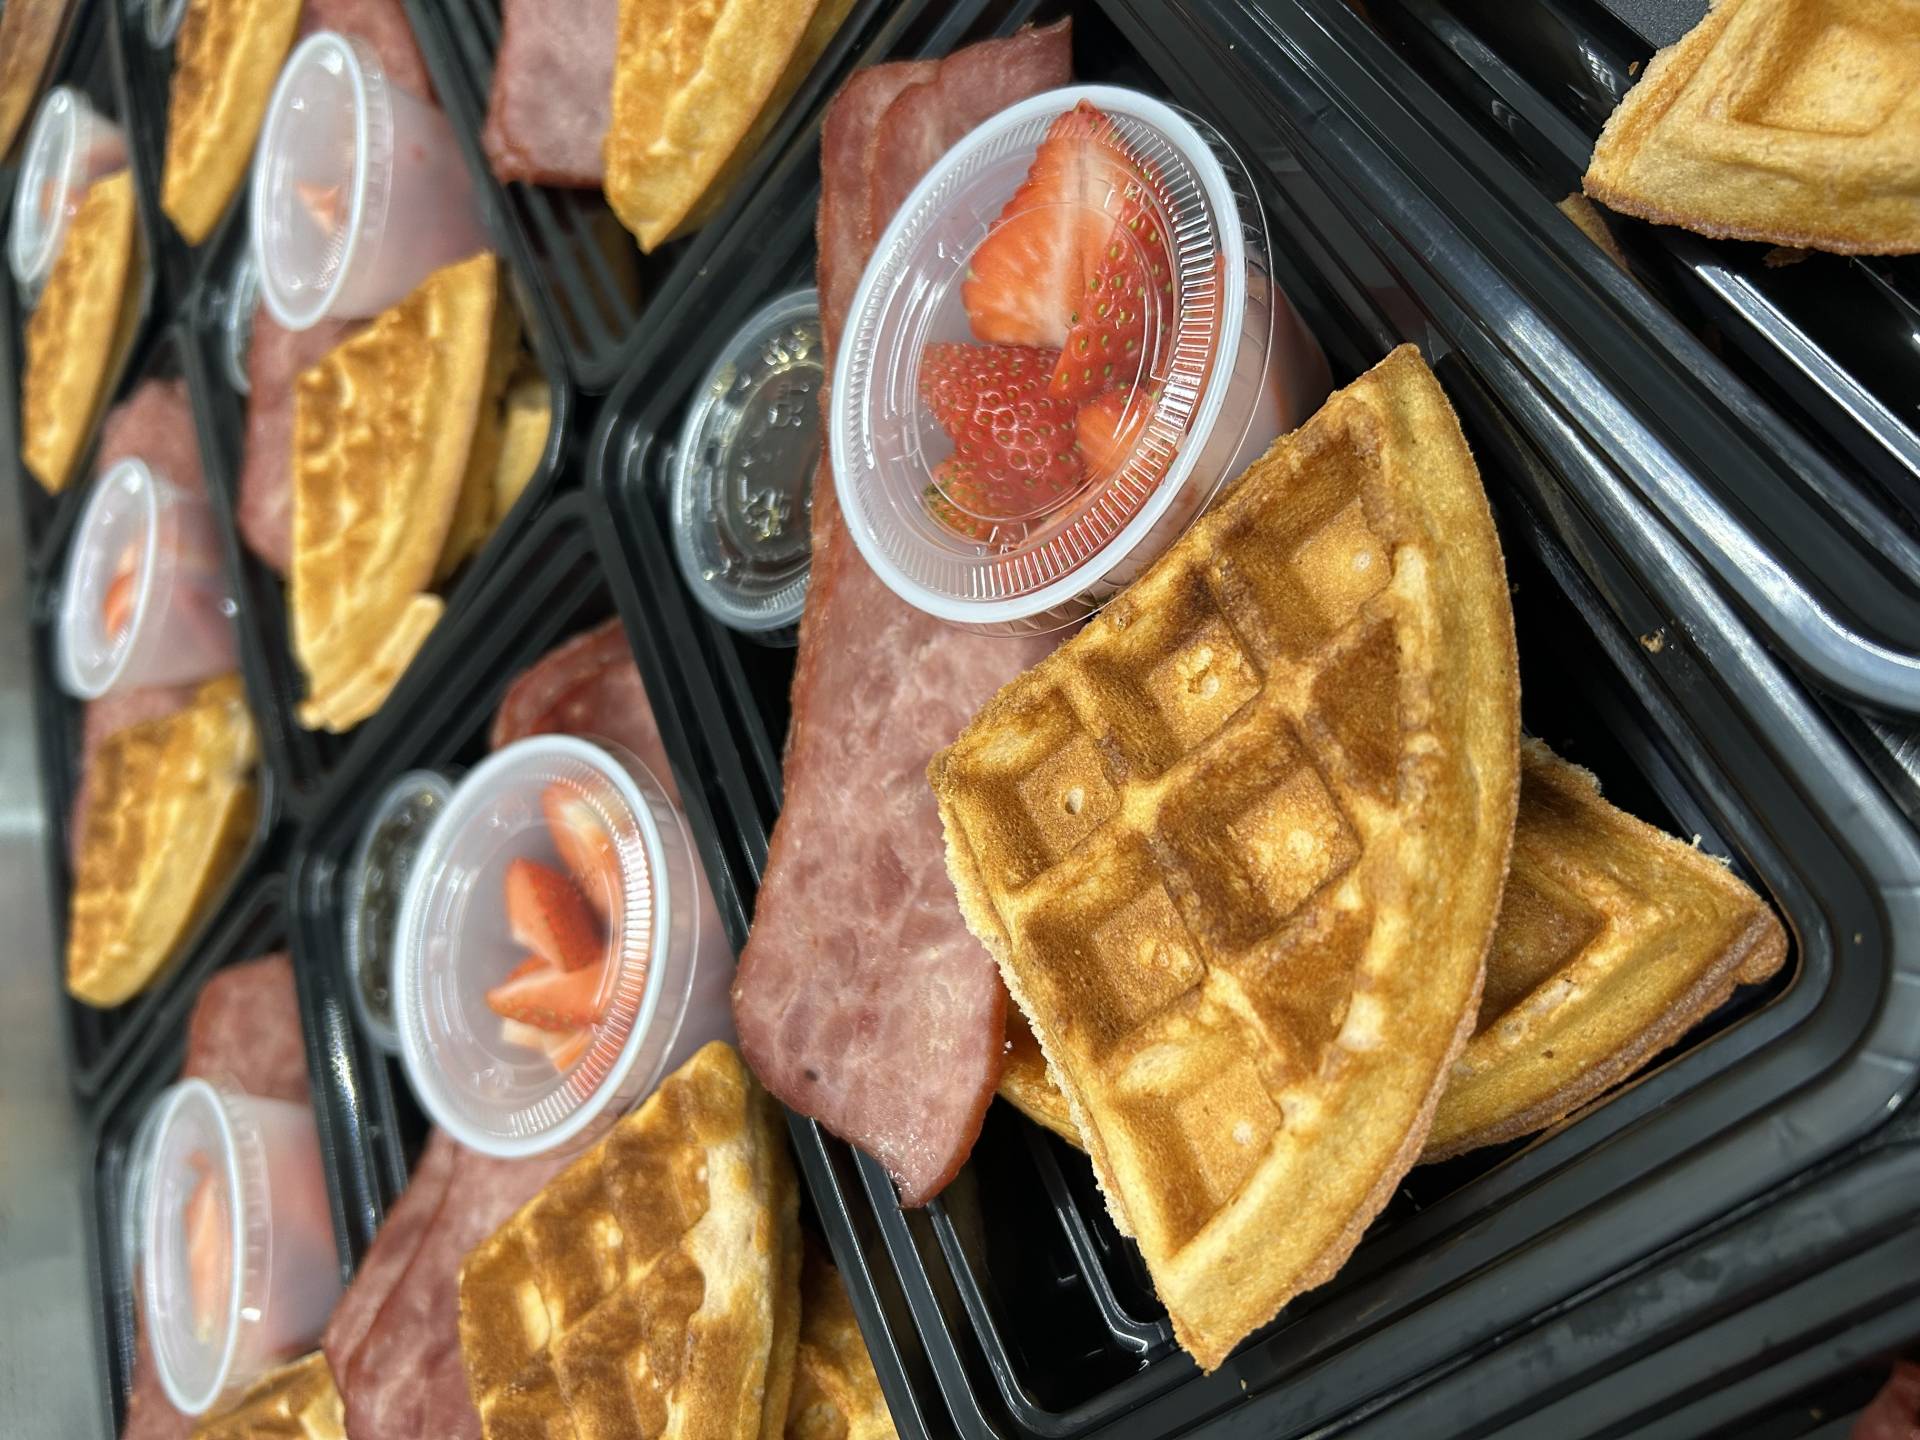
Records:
x=49, y=1363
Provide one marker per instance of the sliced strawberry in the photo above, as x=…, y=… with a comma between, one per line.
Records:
x=1129, y=289
x=954, y=499
x=1026, y=278
x=1016, y=439
x=1107, y=433
x=116, y=606
x=547, y=914
x=547, y=998
x=562, y=1048
x=209, y=1249
x=586, y=849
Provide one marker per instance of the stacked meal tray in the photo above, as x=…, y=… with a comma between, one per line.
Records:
x=1704, y=476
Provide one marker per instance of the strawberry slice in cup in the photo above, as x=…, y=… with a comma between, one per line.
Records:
x=556, y=952
x=1067, y=339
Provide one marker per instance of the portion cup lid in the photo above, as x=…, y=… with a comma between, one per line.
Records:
x=376, y=883
x=527, y=1078
x=742, y=481
x=206, y=1187
x=321, y=173
x=117, y=543
x=43, y=195
x=1134, y=195
x=237, y=309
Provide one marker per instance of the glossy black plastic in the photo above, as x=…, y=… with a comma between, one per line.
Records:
x=556, y=583
x=99, y=1039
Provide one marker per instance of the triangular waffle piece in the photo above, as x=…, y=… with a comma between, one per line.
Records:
x=29, y=30
x=474, y=518
x=653, y=1287
x=690, y=85
x=526, y=419
x=225, y=64
x=1238, y=846
x=173, y=805
x=78, y=332
x=295, y=1401
x=1613, y=941
x=836, y=1394
x=1790, y=121
x=382, y=431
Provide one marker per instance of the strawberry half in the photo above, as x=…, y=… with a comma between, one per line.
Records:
x=586, y=849
x=1130, y=287
x=547, y=998
x=1016, y=439
x=116, y=606
x=209, y=1249
x=560, y=1048
x=547, y=914
x=1027, y=277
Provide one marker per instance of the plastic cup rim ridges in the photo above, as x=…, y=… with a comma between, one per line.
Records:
x=242, y=1160
x=474, y=791
x=782, y=607
x=156, y=496
x=369, y=195
x=847, y=412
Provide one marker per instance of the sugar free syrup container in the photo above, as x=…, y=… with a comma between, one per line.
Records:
x=657, y=985
x=376, y=885
x=1224, y=365
x=742, y=479
x=237, y=1262
x=146, y=600
x=70, y=146
x=359, y=188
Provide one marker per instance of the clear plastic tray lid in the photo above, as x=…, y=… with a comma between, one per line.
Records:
x=510, y=1052
x=742, y=480
x=1052, y=329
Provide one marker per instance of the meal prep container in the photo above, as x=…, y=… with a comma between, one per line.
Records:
x=1011, y=1306
x=99, y=1040
x=665, y=976
x=88, y=67
x=253, y=1163
x=556, y=583
x=123, y=1125
x=218, y=320
x=397, y=205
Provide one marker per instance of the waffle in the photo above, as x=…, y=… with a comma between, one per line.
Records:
x=836, y=1394
x=382, y=431
x=1613, y=941
x=78, y=332
x=1790, y=121
x=695, y=87
x=1238, y=847
x=225, y=64
x=653, y=1287
x=29, y=29
x=526, y=418
x=474, y=517
x=296, y=1401
x=173, y=804
x=1027, y=1086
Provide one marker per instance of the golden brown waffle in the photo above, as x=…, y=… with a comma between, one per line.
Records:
x=474, y=518
x=836, y=1394
x=382, y=431
x=526, y=417
x=1794, y=121
x=29, y=30
x=173, y=805
x=296, y=1401
x=653, y=1287
x=79, y=331
x=1238, y=846
x=1613, y=940
x=226, y=62
x=694, y=88
x=1026, y=1085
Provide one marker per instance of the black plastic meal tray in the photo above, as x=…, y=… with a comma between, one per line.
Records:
x=556, y=583
x=86, y=61
x=1011, y=1307
x=1783, y=393
x=99, y=1039
x=307, y=759
x=255, y=925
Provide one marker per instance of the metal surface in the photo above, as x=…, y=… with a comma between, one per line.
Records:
x=48, y=1360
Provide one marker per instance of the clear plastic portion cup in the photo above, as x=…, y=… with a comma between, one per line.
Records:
x=70, y=146
x=237, y=1261
x=359, y=188
x=145, y=600
x=237, y=305
x=1223, y=367
x=162, y=21
x=376, y=884
x=662, y=988
x=742, y=478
